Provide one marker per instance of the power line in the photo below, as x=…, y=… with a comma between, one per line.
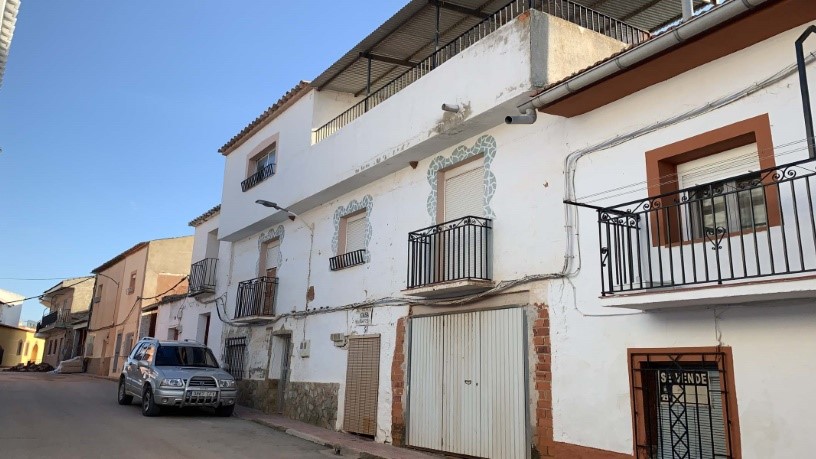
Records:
x=40, y=295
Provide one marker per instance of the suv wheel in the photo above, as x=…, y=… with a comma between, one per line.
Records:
x=149, y=407
x=224, y=411
x=123, y=397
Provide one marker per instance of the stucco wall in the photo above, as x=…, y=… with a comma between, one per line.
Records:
x=590, y=341
x=9, y=339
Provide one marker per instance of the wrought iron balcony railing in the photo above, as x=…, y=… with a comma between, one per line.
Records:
x=202, y=276
x=565, y=9
x=258, y=177
x=347, y=260
x=750, y=226
x=256, y=297
x=455, y=250
x=54, y=319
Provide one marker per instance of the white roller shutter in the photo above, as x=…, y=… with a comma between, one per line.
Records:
x=355, y=232
x=464, y=192
x=718, y=167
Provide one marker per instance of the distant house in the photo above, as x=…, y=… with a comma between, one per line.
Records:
x=140, y=275
x=19, y=345
x=11, y=306
x=65, y=326
x=193, y=315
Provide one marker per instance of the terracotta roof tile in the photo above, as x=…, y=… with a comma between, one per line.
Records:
x=205, y=216
x=290, y=97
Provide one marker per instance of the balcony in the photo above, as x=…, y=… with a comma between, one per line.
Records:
x=258, y=177
x=347, y=260
x=56, y=319
x=256, y=299
x=202, y=276
x=387, y=87
x=749, y=238
x=451, y=259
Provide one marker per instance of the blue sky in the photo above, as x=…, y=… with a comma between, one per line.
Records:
x=111, y=115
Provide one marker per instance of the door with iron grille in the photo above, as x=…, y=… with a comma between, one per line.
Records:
x=362, y=385
x=681, y=406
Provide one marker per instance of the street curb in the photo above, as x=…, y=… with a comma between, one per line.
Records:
x=313, y=439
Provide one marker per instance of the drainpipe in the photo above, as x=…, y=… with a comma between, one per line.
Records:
x=680, y=34
x=803, y=86
x=529, y=117
x=688, y=9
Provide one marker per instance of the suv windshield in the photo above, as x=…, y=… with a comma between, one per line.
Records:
x=185, y=356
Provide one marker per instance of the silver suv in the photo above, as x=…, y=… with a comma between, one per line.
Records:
x=175, y=373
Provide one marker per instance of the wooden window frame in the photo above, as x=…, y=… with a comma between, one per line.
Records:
x=341, y=232
x=662, y=179
x=721, y=355
x=132, y=283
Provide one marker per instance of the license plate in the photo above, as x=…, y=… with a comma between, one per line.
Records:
x=203, y=393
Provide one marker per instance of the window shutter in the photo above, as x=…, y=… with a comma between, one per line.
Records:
x=720, y=166
x=355, y=232
x=464, y=194
x=272, y=255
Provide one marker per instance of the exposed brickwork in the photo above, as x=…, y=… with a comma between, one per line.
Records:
x=398, y=387
x=542, y=375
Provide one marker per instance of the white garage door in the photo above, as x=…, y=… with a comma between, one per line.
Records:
x=467, y=384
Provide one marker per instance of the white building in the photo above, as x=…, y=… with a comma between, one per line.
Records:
x=8, y=18
x=194, y=315
x=11, y=306
x=415, y=275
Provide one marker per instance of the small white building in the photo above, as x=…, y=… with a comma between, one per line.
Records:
x=11, y=306
x=398, y=259
x=194, y=315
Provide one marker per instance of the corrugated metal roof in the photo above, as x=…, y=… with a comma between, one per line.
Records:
x=8, y=18
x=409, y=35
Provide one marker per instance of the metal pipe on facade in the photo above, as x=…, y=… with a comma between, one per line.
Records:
x=529, y=117
x=680, y=34
x=803, y=86
x=688, y=9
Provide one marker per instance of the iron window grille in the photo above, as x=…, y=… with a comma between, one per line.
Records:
x=749, y=226
x=455, y=250
x=256, y=297
x=258, y=177
x=682, y=405
x=347, y=260
x=234, y=355
x=202, y=276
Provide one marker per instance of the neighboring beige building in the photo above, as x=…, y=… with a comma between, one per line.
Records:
x=19, y=345
x=65, y=327
x=146, y=271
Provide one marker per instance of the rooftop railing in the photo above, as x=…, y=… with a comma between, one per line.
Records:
x=565, y=9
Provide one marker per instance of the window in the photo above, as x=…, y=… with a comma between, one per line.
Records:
x=725, y=192
x=461, y=191
x=148, y=352
x=684, y=403
x=352, y=232
x=265, y=160
x=98, y=296
x=720, y=168
x=132, y=284
x=26, y=347
x=188, y=356
x=20, y=347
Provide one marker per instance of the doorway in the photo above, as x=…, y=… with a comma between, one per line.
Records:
x=280, y=366
x=362, y=385
x=467, y=383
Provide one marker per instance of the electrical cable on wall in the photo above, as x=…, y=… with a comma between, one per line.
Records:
x=136, y=302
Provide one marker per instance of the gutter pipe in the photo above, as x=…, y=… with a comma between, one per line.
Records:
x=680, y=34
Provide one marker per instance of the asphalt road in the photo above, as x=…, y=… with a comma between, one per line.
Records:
x=74, y=416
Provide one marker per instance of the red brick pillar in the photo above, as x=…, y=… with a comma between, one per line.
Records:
x=398, y=386
x=542, y=375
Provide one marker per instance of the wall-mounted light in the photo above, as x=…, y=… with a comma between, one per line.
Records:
x=274, y=205
x=453, y=108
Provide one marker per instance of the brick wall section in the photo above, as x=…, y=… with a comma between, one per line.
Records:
x=542, y=375
x=398, y=371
